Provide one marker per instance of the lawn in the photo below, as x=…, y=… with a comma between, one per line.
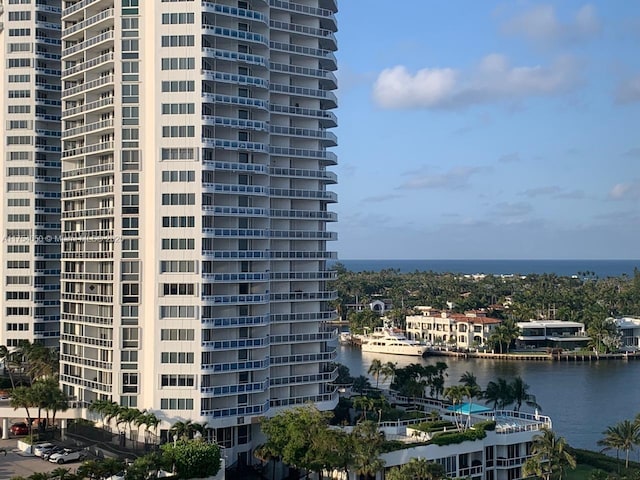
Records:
x=582, y=472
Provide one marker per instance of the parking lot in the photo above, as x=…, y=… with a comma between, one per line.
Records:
x=17, y=463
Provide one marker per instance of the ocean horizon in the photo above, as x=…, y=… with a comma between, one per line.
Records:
x=601, y=268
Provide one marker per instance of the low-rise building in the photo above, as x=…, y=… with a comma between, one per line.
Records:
x=629, y=328
x=552, y=334
x=471, y=329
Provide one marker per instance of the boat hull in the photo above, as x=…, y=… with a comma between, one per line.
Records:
x=409, y=350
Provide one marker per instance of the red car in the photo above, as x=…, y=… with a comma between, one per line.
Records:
x=19, y=428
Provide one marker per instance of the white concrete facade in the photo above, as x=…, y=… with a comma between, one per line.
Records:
x=30, y=172
x=195, y=174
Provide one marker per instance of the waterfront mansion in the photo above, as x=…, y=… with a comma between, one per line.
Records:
x=471, y=329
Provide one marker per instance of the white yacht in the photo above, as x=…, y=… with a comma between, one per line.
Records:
x=389, y=341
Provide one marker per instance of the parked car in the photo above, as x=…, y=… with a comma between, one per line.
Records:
x=66, y=456
x=19, y=428
x=40, y=448
x=50, y=451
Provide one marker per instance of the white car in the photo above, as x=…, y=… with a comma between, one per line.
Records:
x=40, y=448
x=66, y=456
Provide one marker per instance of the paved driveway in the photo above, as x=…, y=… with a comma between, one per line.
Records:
x=17, y=463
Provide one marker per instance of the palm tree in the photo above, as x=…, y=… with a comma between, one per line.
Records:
x=549, y=456
x=499, y=393
x=6, y=357
x=363, y=403
x=469, y=379
x=456, y=393
x=375, y=369
x=360, y=384
x=367, y=445
x=388, y=371
x=622, y=436
x=60, y=473
x=187, y=429
x=128, y=416
x=22, y=397
x=520, y=393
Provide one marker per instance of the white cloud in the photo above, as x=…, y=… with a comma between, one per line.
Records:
x=493, y=80
x=457, y=177
x=541, y=25
x=628, y=91
x=625, y=191
x=397, y=88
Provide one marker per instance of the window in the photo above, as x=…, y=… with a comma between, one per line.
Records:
x=177, y=334
x=129, y=383
x=179, y=86
x=178, y=199
x=19, y=16
x=19, y=78
x=19, y=109
x=177, y=18
x=19, y=62
x=178, y=154
x=130, y=45
x=178, y=41
x=178, y=288
x=178, y=244
x=177, y=311
x=19, y=32
x=177, y=266
x=178, y=108
x=176, y=357
x=178, y=222
x=177, y=380
x=19, y=93
x=176, y=403
x=178, y=131
x=188, y=63
x=179, y=176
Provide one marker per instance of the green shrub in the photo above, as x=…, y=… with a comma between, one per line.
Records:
x=478, y=432
x=433, y=426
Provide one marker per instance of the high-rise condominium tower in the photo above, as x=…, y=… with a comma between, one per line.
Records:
x=30, y=171
x=195, y=208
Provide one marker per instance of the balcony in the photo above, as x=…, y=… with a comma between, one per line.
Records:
x=329, y=158
x=227, y=390
x=239, y=13
x=232, y=56
x=230, y=33
x=236, y=344
x=236, y=299
x=233, y=322
x=304, y=215
x=306, y=194
x=103, y=37
x=304, y=358
x=89, y=21
x=237, y=366
x=303, y=235
x=303, y=296
x=91, y=127
x=330, y=177
x=85, y=87
x=231, y=122
x=237, y=411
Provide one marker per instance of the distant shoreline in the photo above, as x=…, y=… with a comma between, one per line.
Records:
x=599, y=268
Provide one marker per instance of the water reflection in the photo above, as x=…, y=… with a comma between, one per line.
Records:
x=581, y=398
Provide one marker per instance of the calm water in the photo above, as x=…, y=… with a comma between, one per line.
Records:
x=602, y=268
x=582, y=399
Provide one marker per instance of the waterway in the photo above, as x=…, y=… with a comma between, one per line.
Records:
x=582, y=398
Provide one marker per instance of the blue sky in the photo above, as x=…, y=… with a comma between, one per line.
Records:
x=487, y=130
